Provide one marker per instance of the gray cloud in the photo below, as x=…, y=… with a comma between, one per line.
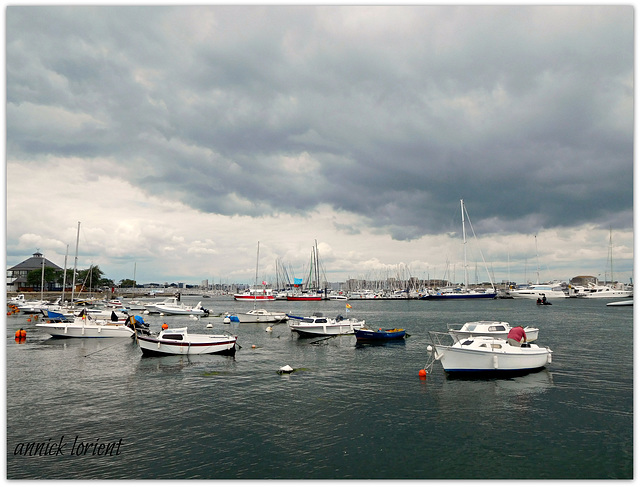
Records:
x=390, y=113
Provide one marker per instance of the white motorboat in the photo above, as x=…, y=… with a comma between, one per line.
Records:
x=33, y=307
x=177, y=341
x=322, y=326
x=182, y=309
x=626, y=302
x=152, y=307
x=486, y=354
x=135, y=305
x=17, y=300
x=605, y=292
x=87, y=327
x=256, y=316
x=538, y=291
x=495, y=329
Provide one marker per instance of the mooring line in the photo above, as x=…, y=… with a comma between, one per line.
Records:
x=112, y=345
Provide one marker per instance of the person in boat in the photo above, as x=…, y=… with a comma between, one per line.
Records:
x=539, y=301
x=544, y=299
x=516, y=337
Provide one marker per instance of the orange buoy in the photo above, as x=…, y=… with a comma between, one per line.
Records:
x=253, y=346
x=23, y=333
x=422, y=374
x=29, y=320
x=165, y=326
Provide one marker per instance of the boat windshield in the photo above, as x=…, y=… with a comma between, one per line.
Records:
x=172, y=336
x=497, y=328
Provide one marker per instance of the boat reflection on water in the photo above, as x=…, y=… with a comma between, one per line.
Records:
x=477, y=387
x=173, y=363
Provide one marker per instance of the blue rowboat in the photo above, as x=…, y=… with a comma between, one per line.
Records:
x=364, y=334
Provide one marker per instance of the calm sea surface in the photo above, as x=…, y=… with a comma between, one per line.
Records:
x=348, y=412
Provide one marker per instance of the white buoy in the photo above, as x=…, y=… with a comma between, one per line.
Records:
x=285, y=369
x=429, y=348
x=209, y=325
x=268, y=329
x=227, y=320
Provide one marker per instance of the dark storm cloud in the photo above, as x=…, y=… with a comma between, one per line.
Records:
x=525, y=112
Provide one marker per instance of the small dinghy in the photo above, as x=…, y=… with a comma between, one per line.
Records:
x=177, y=341
x=367, y=335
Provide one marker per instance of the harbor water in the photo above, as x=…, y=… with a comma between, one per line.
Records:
x=346, y=412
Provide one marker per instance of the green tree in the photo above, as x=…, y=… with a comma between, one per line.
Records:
x=34, y=277
x=127, y=283
x=90, y=278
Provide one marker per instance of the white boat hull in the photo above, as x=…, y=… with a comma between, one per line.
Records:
x=344, y=327
x=88, y=330
x=535, y=294
x=498, y=356
x=608, y=294
x=168, y=344
x=167, y=310
x=257, y=316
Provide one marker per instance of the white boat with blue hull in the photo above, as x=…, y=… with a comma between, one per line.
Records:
x=486, y=355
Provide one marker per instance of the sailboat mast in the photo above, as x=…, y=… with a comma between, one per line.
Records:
x=75, y=266
x=610, y=256
x=64, y=275
x=257, y=263
x=317, y=271
x=42, y=281
x=537, y=261
x=464, y=246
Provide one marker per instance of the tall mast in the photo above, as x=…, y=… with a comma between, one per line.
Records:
x=75, y=266
x=316, y=263
x=257, y=261
x=610, y=256
x=464, y=246
x=537, y=261
x=64, y=275
x=42, y=281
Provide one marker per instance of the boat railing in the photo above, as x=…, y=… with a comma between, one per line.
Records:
x=441, y=338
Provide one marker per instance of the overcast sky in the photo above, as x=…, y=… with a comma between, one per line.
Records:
x=180, y=137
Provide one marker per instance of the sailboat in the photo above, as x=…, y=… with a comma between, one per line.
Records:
x=465, y=293
x=611, y=290
x=256, y=294
x=314, y=293
x=86, y=324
